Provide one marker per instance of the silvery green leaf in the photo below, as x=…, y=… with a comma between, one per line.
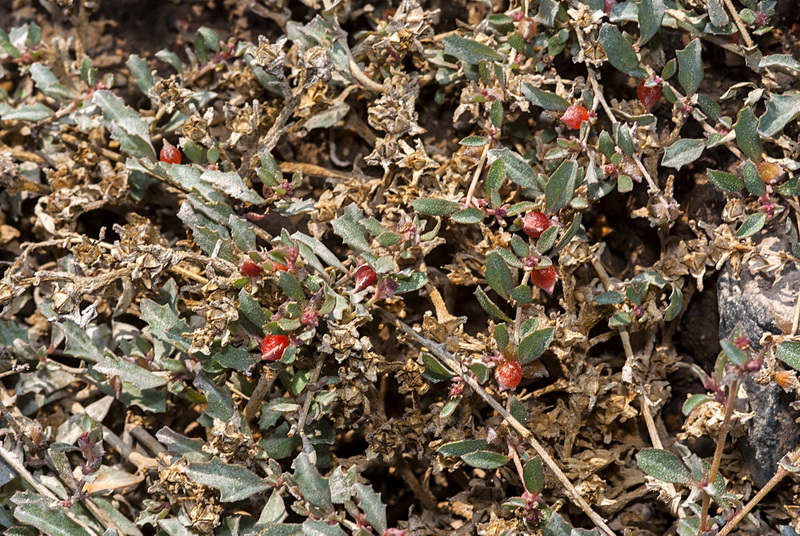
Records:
x=220, y=402
x=498, y=275
x=34, y=509
x=620, y=52
x=47, y=82
x=663, y=465
x=683, y=152
x=517, y=169
x=28, y=112
x=435, y=207
x=544, y=99
x=165, y=324
x=312, y=485
x=235, y=483
x=781, y=110
x=129, y=372
x=373, y=508
x=231, y=184
x=469, y=51
x=561, y=186
x=651, y=13
x=690, y=67
x=141, y=73
x=126, y=125
x=747, y=138
x=753, y=224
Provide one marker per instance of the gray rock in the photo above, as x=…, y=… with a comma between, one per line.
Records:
x=761, y=304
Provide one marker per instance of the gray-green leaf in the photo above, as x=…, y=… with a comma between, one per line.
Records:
x=312, y=485
x=651, y=13
x=469, y=51
x=517, y=169
x=485, y=459
x=561, y=186
x=663, y=465
x=126, y=125
x=544, y=99
x=462, y=448
x=683, y=152
x=235, y=483
x=789, y=353
x=781, y=109
x=374, y=509
x=620, y=52
x=33, y=509
x=690, y=66
x=747, y=138
x=726, y=182
x=435, y=207
x=534, y=345
x=753, y=224
x=498, y=275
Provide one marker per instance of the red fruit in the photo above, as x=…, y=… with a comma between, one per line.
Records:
x=545, y=278
x=574, y=116
x=248, y=267
x=534, y=223
x=272, y=347
x=364, y=276
x=648, y=95
x=278, y=267
x=508, y=374
x=608, y=5
x=170, y=154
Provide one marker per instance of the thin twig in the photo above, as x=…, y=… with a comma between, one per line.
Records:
x=449, y=361
x=779, y=475
x=268, y=376
x=739, y=23
x=301, y=419
x=733, y=389
x=476, y=176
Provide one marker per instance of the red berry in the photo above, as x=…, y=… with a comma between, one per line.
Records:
x=508, y=374
x=248, y=267
x=364, y=276
x=545, y=278
x=534, y=223
x=170, y=154
x=648, y=95
x=272, y=347
x=278, y=267
x=608, y=5
x=574, y=116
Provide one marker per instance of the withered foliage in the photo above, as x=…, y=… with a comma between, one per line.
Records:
x=347, y=185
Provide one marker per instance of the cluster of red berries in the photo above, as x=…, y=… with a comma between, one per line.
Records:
x=534, y=224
